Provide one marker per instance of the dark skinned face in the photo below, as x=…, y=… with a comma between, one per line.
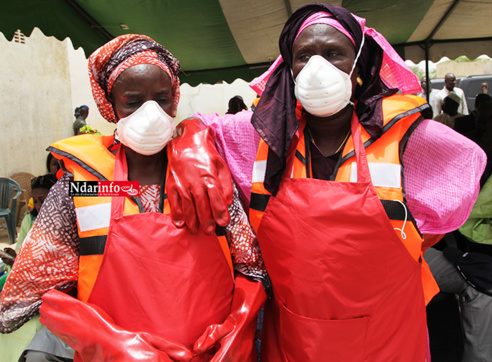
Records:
x=139, y=84
x=325, y=41
x=450, y=82
x=39, y=195
x=54, y=167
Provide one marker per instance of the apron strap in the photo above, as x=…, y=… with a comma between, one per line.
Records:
x=121, y=173
x=363, y=174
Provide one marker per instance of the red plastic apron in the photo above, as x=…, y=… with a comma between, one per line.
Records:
x=160, y=279
x=345, y=287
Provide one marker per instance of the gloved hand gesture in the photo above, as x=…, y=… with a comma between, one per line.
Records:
x=94, y=335
x=199, y=187
x=234, y=339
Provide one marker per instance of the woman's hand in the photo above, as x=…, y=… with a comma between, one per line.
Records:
x=199, y=187
x=95, y=336
x=233, y=340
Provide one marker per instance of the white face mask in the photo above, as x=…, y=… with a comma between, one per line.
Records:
x=322, y=88
x=147, y=130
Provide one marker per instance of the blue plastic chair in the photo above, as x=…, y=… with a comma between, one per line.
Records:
x=9, y=213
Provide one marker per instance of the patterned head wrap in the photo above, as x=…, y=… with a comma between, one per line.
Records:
x=381, y=69
x=121, y=53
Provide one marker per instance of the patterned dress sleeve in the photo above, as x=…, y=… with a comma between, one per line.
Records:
x=47, y=259
x=244, y=247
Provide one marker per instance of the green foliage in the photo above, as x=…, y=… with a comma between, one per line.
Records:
x=420, y=71
x=462, y=59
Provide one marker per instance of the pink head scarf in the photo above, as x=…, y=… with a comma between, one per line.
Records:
x=394, y=72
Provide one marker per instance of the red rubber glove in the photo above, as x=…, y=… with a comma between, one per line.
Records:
x=93, y=334
x=199, y=187
x=234, y=339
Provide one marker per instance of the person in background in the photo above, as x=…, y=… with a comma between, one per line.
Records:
x=33, y=342
x=255, y=102
x=464, y=266
x=472, y=125
x=348, y=185
x=449, y=110
x=40, y=187
x=52, y=164
x=484, y=88
x=483, y=135
x=52, y=167
x=450, y=87
x=178, y=288
x=80, y=114
x=423, y=94
x=236, y=104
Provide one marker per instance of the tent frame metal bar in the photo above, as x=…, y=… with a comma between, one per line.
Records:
x=288, y=8
x=429, y=42
x=93, y=23
x=443, y=19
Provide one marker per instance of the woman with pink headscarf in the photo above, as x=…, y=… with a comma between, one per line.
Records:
x=145, y=289
x=347, y=185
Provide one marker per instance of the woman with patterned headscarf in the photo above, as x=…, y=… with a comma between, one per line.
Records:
x=146, y=290
x=339, y=220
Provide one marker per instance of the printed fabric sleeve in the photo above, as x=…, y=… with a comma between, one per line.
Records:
x=442, y=172
x=244, y=247
x=47, y=259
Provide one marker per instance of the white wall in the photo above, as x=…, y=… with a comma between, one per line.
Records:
x=35, y=99
x=463, y=69
x=42, y=81
x=206, y=98
x=81, y=90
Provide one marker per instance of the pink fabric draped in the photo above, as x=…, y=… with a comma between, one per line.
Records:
x=442, y=168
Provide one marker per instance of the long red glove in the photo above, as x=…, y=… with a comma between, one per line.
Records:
x=199, y=187
x=93, y=334
x=234, y=339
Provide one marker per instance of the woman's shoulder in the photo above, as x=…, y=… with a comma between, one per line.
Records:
x=442, y=174
x=28, y=217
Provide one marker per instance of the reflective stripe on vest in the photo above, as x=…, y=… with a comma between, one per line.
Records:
x=93, y=216
x=383, y=156
x=87, y=158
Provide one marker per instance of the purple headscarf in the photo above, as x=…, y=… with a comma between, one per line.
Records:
x=275, y=119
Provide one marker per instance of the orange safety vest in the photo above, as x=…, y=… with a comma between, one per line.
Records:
x=401, y=116
x=88, y=158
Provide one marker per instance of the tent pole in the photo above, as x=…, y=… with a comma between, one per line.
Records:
x=288, y=8
x=427, y=78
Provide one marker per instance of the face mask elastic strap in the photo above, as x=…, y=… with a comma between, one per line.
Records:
x=358, y=54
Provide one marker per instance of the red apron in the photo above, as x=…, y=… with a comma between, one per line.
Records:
x=345, y=287
x=160, y=279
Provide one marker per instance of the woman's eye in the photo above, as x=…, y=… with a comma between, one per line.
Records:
x=304, y=57
x=332, y=54
x=133, y=103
